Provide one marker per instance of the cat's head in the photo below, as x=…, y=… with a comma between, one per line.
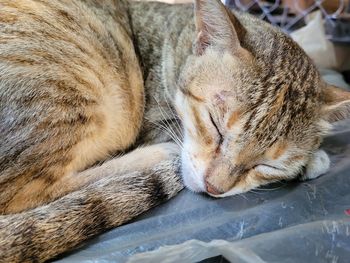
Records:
x=253, y=106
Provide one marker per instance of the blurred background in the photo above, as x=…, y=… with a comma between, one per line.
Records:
x=321, y=27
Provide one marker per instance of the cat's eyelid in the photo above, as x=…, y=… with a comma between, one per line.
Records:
x=216, y=127
x=270, y=166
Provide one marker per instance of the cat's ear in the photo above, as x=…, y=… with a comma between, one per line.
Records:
x=217, y=27
x=336, y=103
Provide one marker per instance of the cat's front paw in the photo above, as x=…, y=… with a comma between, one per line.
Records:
x=167, y=168
x=318, y=165
x=149, y=156
x=160, y=152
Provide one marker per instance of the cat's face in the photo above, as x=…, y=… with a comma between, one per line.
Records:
x=244, y=127
x=232, y=141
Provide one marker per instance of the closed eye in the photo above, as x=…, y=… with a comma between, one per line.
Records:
x=217, y=129
x=267, y=168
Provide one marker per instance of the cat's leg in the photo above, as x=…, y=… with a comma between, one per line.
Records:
x=139, y=159
x=106, y=202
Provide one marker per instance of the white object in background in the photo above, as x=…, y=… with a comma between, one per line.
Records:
x=312, y=38
x=195, y=251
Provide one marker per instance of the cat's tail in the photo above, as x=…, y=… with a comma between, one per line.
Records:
x=45, y=232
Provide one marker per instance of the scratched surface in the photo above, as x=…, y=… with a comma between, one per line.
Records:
x=289, y=222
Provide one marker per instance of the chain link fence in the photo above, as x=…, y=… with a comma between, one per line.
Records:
x=292, y=14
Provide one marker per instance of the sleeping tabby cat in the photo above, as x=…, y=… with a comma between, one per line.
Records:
x=84, y=80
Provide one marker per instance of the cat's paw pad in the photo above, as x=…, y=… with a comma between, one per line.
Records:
x=318, y=165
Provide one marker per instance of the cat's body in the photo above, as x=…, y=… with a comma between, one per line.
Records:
x=81, y=81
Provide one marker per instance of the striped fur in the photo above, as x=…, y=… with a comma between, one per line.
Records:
x=83, y=81
x=262, y=104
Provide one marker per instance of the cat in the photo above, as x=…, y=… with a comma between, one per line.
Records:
x=91, y=96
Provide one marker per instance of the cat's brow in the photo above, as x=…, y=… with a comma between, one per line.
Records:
x=188, y=93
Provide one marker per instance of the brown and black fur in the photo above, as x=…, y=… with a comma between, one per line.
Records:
x=59, y=62
x=83, y=81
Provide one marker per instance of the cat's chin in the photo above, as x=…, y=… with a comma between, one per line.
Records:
x=192, y=179
x=191, y=182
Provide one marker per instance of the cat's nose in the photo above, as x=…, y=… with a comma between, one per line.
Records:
x=212, y=189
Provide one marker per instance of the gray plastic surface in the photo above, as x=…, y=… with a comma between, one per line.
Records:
x=291, y=222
